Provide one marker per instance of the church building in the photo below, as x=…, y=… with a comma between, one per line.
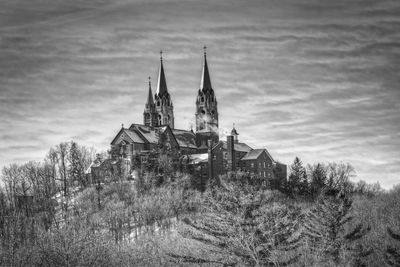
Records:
x=202, y=149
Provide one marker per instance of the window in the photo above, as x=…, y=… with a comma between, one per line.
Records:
x=202, y=99
x=158, y=103
x=259, y=164
x=264, y=165
x=252, y=164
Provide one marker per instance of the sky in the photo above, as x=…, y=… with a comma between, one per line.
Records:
x=308, y=78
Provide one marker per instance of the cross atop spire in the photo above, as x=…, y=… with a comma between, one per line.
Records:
x=162, y=84
x=205, y=82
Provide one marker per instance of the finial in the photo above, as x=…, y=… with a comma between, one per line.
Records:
x=233, y=125
x=161, y=55
x=122, y=125
x=149, y=81
x=205, y=50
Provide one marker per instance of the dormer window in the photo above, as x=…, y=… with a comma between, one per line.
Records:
x=158, y=103
x=202, y=99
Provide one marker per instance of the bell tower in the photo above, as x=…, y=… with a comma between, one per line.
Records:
x=206, y=108
x=162, y=99
x=150, y=114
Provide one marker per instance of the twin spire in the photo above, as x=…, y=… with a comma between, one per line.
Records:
x=162, y=89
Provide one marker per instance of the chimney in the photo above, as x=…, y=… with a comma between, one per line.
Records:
x=230, y=143
x=210, y=160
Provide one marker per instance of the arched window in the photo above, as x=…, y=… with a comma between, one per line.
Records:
x=159, y=120
x=203, y=112
x=202, y=99
x=158, y=103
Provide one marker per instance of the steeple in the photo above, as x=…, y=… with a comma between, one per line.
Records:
x=205, y=82
x=161, y=84
x=162, y=99
x=206, y=108
x=150, y=100
x=150, y=114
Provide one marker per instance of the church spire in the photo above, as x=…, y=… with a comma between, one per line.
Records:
x=150, y=100
x=205, y=83
x=162, y=84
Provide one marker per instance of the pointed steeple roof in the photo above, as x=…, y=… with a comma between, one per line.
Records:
x=150, y=100
x=234, y=132
x=161, y=84
x=205, y=82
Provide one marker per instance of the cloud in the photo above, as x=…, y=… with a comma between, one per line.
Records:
x=303, y=78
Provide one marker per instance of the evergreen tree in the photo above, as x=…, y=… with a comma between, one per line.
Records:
x=76, y=169
x=298, y=178
x=392, y=254
x=325, y=230
x=317, y=179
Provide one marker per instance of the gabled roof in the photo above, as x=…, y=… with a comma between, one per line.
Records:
x=147, y=133
x=242, y=147
x=255, y=154
x=131, y=134
x=185, y=138
x=134, y=136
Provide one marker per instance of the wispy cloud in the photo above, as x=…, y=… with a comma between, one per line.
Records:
x=303, y=78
